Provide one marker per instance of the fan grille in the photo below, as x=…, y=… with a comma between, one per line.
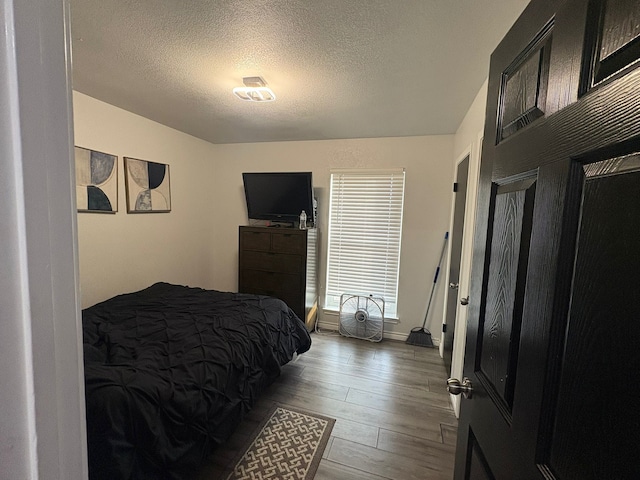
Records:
x=362, y=317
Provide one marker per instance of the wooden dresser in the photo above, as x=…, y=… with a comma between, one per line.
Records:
x=282, y=263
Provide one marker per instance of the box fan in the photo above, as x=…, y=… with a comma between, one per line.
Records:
x=361, y=317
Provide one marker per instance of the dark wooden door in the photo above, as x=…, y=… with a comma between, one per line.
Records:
x=553, y=340
x=460, y=189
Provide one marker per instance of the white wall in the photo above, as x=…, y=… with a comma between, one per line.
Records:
x=427, y=161
x=467, y=141
x=126, y=252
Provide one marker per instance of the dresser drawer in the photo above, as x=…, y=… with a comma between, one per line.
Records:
x=272, y=262
x=293, y=243
x=255, y=240
x=278, y=262
x=271, y=281
x=291, y=299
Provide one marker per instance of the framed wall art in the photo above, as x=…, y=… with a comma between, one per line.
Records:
x=96, y=181
x=147, y=185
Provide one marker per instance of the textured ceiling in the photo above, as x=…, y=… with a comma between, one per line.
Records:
x=339, y=68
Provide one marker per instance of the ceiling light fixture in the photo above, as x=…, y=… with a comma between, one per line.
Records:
x=255, y=90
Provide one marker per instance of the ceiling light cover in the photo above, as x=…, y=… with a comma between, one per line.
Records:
x=255, y=94
x=255, y=90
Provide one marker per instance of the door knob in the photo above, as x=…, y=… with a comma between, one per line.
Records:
x=454, y=387
x=464, y=301
x=454, y=285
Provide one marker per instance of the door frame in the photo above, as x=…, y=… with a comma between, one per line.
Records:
x=473, y=151
x=42, y=419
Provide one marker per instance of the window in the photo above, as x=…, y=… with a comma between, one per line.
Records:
x=365, y=229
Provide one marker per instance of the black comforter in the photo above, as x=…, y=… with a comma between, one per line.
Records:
x=170, y=370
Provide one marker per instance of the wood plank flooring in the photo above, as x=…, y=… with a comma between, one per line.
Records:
x=393, y=415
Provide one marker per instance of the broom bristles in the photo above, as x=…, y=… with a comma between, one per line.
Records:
x=420, y=337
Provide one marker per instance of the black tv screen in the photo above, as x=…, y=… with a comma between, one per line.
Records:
x=278, y=196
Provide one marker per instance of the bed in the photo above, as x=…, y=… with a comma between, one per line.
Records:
x=170, y=370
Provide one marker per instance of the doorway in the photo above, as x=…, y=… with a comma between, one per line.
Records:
x=460, y=191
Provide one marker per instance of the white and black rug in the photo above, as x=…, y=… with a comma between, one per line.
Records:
x=287, y=446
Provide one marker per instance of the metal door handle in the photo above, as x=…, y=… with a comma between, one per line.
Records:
x=454, y=285
x=454, y=387
x=464, y=301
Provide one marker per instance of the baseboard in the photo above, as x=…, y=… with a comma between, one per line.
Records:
x=401, y=337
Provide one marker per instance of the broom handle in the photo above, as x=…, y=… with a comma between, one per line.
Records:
x=435, y=278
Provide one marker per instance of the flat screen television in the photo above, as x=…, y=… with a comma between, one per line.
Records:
x=278, y=196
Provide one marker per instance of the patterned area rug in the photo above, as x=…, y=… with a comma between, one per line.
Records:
x=287, y=446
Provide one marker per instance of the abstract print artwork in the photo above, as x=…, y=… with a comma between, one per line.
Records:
x=96, y=181
x=148, y=188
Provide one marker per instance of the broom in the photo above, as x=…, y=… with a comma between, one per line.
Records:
x=420, y=336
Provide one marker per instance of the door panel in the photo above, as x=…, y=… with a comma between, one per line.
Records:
x=478, y=467
x=524, y=88
x=601, y=347
x=615, y=40
x=496, y=364
x=553, y=321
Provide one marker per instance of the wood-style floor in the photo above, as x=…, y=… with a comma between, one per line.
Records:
x=393, y=415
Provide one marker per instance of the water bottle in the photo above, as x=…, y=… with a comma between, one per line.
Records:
x=303, y=220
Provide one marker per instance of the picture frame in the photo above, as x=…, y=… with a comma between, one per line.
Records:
x=148, y=186
x=96, y=181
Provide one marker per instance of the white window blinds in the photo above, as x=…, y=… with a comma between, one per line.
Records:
x=365, y=229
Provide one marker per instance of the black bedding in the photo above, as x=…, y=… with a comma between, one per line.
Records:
x=170, y=370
